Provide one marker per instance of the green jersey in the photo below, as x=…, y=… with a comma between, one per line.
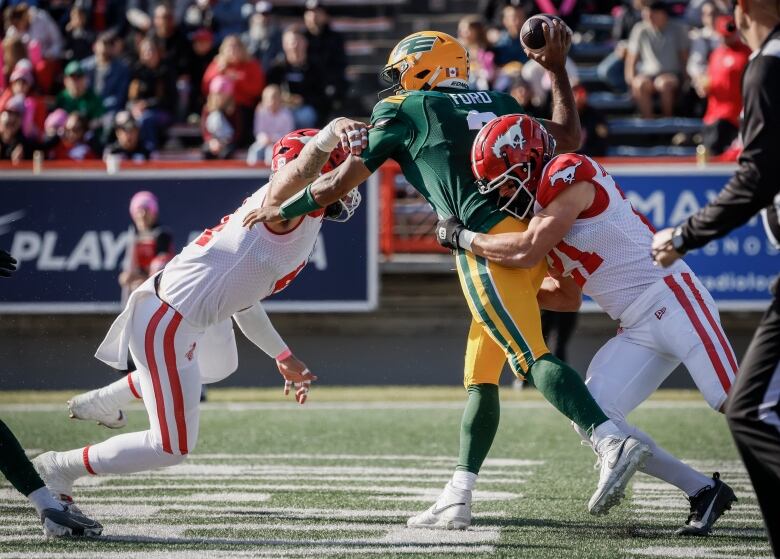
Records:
x=429, y=134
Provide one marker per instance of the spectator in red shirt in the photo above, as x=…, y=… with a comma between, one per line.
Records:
x=152, y=246
x=721, y=87
x=234, y=62
x=72, y=144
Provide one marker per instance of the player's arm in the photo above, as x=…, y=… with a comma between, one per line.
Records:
x=383, y=140
x=290, y=179
x=565, y=122
x=526, y=249
x=258, y=329
x=559, y=294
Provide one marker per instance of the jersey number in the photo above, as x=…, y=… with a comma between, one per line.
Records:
x=205, y=237
x=590, y=261
x=287, y=280
x=477, y=120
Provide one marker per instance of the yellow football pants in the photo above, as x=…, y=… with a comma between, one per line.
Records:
x=506, y=323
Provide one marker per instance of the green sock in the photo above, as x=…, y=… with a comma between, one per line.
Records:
x=563, y=387
x=15, y=465
x=478, y=426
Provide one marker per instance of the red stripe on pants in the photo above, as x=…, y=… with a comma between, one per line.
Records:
x=158, y=393
x=705, y=338
x=713, y=324
x=173, y=380
x=85, y=458
x=132, y=386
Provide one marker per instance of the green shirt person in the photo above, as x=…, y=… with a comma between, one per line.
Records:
x=428, y=127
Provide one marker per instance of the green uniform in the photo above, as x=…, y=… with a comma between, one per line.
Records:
x=429, y=133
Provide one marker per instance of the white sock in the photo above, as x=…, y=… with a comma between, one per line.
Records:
x=605, y=430
x=463, y=480
x=42, y=499
x=668, y=468
x=129, y=453
x=119, y=393
x=71, y=463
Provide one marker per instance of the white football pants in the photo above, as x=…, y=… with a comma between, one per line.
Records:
x=173, y=359
x=681, y=326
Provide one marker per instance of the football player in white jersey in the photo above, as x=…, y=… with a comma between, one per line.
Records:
x=177, y=325
x=597, y=244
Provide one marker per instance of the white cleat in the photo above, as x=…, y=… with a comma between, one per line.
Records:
x=60, y=484
x=620, y=458
x=451, y=511
x=90, y=406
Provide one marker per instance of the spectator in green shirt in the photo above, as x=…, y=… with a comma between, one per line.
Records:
x=78, y=96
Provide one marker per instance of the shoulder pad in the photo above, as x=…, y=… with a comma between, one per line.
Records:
x=562, y=171
x=387, y=108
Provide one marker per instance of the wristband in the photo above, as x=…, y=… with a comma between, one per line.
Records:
x=300, y=204
x=326, y=139
x=465, y=239
x=284, y=355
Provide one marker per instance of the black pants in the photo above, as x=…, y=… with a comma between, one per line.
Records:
x=753, y=414
x=557, y=329
x=15, y=465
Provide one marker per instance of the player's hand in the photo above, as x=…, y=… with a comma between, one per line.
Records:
x=296, y=375
x=447, y=232
x=353, y=134
x=7, y=264
x=662, y=251
x=266, y=214
x=557, y=40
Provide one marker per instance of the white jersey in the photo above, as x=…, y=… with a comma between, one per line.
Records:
x=607, y=250
x=229, y=267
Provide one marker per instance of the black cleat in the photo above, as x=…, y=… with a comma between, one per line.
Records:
x=707, y=506
x=68, y=522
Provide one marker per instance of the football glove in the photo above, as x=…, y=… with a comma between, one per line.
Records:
x=7, y=264
x=448, y=232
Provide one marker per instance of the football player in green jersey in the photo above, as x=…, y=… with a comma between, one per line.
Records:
x=428, y=127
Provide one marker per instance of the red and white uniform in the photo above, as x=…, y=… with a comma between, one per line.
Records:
x=667, y=316
x=182, y=335
x=228, y=268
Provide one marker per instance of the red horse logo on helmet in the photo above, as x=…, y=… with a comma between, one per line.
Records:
x=290, y=146
x=509, y=154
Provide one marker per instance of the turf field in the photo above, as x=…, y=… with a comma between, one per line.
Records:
x=338, y=478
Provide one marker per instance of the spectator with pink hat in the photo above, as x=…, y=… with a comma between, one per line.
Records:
x=221, y=121
x=21, y=82
x=14, y=146
x=152, y=245
x=233, y=62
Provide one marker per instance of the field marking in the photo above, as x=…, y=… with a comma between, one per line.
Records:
x=194, y=504
x=359, y=406
x=726, y=552
x=213, y=494
x=659, y=508
x=231, y=554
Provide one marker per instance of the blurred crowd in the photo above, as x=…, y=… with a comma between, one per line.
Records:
x=671, y=58
x=91, y=79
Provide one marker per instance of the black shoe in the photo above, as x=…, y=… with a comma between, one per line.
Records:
x=68, y=522
x=706, y=507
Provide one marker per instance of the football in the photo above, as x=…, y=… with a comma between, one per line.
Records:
x=532, y=33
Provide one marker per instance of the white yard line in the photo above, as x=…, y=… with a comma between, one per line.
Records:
x=360, y=406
